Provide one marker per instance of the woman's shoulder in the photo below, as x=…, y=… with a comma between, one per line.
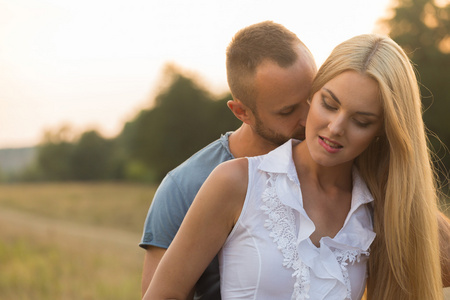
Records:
x=234, y=172
x=226, y=187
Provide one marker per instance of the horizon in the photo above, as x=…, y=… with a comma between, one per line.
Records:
x=93, y=65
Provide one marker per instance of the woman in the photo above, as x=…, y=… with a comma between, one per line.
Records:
x=404, y=262
x=297, y=223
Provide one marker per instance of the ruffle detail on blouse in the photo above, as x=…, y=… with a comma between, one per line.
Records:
x=329, y=262
x=281, y=223
x=345, y=257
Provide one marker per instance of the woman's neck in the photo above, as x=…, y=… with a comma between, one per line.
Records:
x=326, y=178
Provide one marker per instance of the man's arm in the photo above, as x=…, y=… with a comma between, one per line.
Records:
x=161, y=224
x=152, y=258
x=172, y=200
x=204, y=230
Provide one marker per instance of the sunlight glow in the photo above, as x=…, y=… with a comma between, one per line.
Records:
x=94, y=63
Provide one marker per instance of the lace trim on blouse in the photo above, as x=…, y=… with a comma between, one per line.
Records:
x=281, y=223
x=342, y=258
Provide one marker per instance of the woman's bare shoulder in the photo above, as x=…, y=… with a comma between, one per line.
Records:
x=230, y=176
x=236, y=167
x=234, y=172
x=224, y=191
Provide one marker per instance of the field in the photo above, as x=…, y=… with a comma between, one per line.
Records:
x=71, y=241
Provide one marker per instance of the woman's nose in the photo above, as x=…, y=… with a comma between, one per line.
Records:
x=337, y=125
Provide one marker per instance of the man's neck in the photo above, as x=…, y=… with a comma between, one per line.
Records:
x=246, y=142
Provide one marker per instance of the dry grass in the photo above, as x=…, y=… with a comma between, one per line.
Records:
x=113, y=205
x=71, y=241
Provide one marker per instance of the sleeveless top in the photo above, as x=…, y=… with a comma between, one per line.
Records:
x=269, y=255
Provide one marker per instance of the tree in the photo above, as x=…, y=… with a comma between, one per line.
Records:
x=91, y=157
x=53, y=161
x=422, y=28
x=184, y=119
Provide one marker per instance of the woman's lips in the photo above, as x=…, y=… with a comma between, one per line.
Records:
x=329, y=145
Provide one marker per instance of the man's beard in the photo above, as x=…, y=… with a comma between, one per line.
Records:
x=274, y=137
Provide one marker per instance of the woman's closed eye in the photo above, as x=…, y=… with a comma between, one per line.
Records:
x=362, y=124
x=326, y=105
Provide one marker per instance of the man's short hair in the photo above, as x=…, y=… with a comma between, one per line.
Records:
x=250, y=47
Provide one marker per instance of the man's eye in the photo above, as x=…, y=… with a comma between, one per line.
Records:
x=287, y=112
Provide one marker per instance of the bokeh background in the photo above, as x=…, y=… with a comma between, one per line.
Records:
x=100, y=99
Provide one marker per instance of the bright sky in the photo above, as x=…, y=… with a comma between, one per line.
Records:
x=94, y=63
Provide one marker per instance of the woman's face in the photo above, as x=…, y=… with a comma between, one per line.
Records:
x=344, y=118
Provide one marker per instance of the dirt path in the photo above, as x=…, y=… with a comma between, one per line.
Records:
x=41, y=225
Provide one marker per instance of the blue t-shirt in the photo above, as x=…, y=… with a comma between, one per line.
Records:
x=172, y=200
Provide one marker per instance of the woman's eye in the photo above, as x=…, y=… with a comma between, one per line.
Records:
x=362, y=124
x=326, y=105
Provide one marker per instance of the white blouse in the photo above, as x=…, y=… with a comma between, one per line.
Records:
x=269, y=255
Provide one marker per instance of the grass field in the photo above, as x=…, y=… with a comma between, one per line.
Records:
x=71, y=241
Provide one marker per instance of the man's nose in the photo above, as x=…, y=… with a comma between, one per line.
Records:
x=303, y=113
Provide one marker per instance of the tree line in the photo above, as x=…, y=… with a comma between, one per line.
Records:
x=422, y=28
x=185, y=116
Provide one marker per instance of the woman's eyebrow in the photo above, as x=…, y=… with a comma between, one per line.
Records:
x=335, y=98
x=332, y=95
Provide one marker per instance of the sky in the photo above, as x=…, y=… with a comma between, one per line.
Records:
x=94, y=64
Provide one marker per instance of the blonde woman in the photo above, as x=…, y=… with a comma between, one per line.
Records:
x=404, y=260
x=315, y=219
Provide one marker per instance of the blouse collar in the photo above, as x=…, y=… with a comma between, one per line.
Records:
x=280, y=161
x=328, y=262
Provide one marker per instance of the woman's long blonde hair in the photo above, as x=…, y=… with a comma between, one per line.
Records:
x=404, y=259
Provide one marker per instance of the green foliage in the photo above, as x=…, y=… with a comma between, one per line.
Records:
x=54, y=160
x=422, y=28
x=137, y=171
x=91, y=157
x=184, y=119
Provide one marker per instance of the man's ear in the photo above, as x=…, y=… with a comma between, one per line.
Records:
x=240, y=110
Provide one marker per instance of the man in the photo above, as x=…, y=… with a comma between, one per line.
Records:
x=269, y=72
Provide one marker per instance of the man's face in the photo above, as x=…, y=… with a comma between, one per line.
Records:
x=281, y=102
